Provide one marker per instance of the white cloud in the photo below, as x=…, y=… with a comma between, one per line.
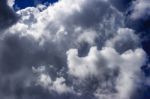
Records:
x=44, y=80
x=68, y=23
x=88, y=36
x=11, y=2
x=104, y=64
x=58, y=85
x=82, y=22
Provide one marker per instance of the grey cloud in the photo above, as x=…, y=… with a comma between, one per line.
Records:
x=41, y=38
x=7, y=15
x=138, y=16
x=121, y=5
x=125, y=40
x=17, y=52
x=140, y=9
x=18, y=55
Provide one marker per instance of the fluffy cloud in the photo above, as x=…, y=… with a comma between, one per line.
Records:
x=113, y=71
x=77, y=24
x=42, y=37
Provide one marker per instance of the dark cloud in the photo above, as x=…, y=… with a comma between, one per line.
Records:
x=141, y=25
x=19, y=51
x=17, y=57
x=7, y=15
x=121, y=5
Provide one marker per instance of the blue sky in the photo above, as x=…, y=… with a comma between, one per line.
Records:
x=29, y=3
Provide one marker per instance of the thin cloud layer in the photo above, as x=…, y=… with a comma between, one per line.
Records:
x=141, y=9
x=72, y=49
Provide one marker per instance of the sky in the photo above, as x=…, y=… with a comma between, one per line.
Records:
x=75, y=49
x=29, y=3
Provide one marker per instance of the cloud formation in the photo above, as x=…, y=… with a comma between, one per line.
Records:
x=141, y=9
x=72, y=49
x=7, y=15
x=111, y=69
x=11, y=2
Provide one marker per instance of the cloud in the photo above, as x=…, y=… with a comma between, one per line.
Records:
x=75, y=21
x=33, y=52
x=138, y=16
x=140, y=9
x=112, y=70
x=124, y=40
x=8, y=16
x=58, y=85
x=11, y=2
x=121, y=5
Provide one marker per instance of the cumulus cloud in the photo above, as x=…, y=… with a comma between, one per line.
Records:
x=78, y=20
x=113, y=70
x=50, y=52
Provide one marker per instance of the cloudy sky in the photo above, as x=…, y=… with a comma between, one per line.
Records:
x=74, y=49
